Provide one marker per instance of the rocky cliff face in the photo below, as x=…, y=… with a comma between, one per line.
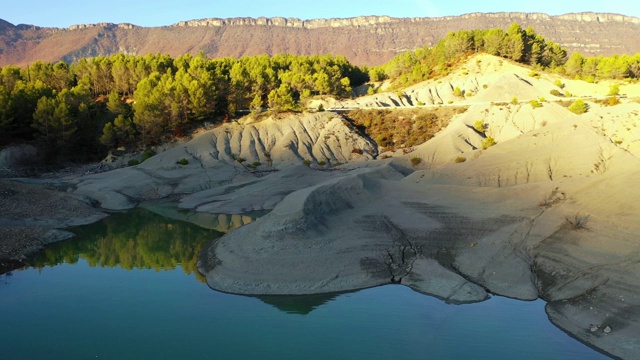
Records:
x=370, y=40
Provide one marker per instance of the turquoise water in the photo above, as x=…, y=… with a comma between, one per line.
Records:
x=121, y=291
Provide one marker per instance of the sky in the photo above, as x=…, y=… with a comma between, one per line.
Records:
x=64, y=13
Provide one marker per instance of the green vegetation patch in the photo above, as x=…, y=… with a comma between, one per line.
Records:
x=578, y=107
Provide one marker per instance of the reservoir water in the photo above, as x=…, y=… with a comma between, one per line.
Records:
x=127, y=288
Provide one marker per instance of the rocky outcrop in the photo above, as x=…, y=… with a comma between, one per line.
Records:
x=102, y=25
x=362, y=21
x=292, y=22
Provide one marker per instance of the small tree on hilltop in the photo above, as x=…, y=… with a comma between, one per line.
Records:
x=488, y=142
x=535, y=104
x=256, y=104
x=282, y=99
x=578, y=107
x=559, y=83
x=479, y=126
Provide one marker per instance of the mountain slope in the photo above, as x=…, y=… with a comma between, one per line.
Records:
x=364, y=40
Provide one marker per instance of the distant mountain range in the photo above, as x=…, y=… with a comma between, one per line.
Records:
x=370, y=40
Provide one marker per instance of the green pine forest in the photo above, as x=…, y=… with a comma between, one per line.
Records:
x=80, y=111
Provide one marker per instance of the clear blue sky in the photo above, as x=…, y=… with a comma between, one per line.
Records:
x=63, y=13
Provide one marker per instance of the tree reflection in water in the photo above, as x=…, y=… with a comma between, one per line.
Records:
x=298, y=304
x=137, y=239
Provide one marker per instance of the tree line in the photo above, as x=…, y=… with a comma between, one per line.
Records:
x=521, y=45
x=123, y=100
x=524, y=46
x=80, y=110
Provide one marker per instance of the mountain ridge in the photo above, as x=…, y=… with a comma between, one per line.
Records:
x=586, y=16
x=370, y=40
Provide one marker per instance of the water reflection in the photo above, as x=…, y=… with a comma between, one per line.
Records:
x=219, y=222
x=301, y=305
x=138, y=239
x=158, y=237
x=43, y=309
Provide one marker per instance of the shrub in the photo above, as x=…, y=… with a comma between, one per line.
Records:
x=382, y=140
x=514, y=101
x=535, y=104
x=488, y=142
x=484, y=86
x=555, y=92
x=146, y=155
x=479, y=126
x=460, y=159
x=578, y=107
x=133, y=162
x=568, y=94
x=307, y=162
x=457, y=92
x=256, y=164
x=322, y=163
x=559, y=83
x=240, y=159
x=320, y=108
x=415, y=161
x=542, y=99
x=613, y=101
x=183, y=162
x=534, y=74
x=614, y=90
x=578, y=221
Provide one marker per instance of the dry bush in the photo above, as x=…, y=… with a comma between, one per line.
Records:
x=402, y=127
x=578, y=221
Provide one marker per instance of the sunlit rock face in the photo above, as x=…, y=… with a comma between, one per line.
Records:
x=370, y=40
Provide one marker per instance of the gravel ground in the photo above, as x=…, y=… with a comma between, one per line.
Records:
x=32, y=216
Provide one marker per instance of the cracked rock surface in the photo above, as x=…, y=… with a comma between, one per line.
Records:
x=345, y=233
